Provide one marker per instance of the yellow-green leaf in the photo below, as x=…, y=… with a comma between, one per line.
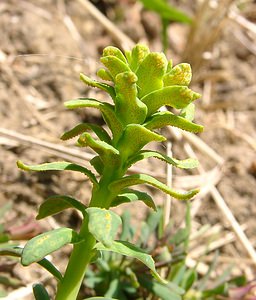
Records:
x=166, y=118
x=130, y=250
x=174, y=96
x=58, y=203
x=120, y=184
x=43, y=244
x=103, y=225
x=150, y=73
x=58, y=166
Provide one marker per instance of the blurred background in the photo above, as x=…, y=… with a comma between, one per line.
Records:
x=45, y=44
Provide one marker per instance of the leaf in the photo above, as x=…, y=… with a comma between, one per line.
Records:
x=137, y=55
x=150, y=73
x=177, y=273
x=126, y=232
x=160, y=290
x=219, y=290
x=134, y=138
x=179, y=237
x=58, y=166
x=128, y=249
x=45, y=263
x=113, y=287
x=80, y=128
x=103, y=225
x=135, y=179
x=166, y=11
x=106, y=109
x=103, y=86
x=188, y=279
x=97, y=163
x=130, y=195
x=128, y=107
x=114, y=51
x=174, y=96
x=58, y=203
x=104, y=75
x=189, y=163
x=46, y=243
x=179, y=75
x=188, y=112
x=40, y=292
x=108, y=154
x=166, y=118
x=114, y=65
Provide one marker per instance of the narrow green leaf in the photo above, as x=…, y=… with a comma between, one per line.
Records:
x=174, y=96
x=201, y=284
x=133, y=277
x=137, y=55
x=219, y=290
x=158, y=289
x=136, y=179
x=166, y=11
x=177, y=273
x=183, y=164
x=136, y=136
x=128, y=107
x=108, y=154
x=106, y=109
x=58, y=166
x=114, y=51
x=126, y=226
x=128, y=249
x=58, y=203
x=179, y=237
x=45, y=263
x=103, y=86
x=150, y=73
x=40, y=292
x=12, y=251
x=114, y=65
x=166, y=118
x=130, y=195
x=81, y=128
x=103, y=225
x=43, y=244
x=97, y=163
x=104, y=75
x=179, y=75
x=189, y=278
x=113, y=288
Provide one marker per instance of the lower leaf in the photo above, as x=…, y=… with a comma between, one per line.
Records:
x=43, y=244
x=128, y=249
x=40, y=292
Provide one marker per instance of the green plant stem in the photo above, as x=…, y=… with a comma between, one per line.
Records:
x=69, y=287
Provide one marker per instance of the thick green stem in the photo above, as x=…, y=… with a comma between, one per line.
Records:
x=69, y=287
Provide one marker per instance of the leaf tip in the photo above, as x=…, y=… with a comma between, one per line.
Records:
x=22, y=166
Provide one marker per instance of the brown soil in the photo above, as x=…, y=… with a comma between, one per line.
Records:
x=40, y=60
